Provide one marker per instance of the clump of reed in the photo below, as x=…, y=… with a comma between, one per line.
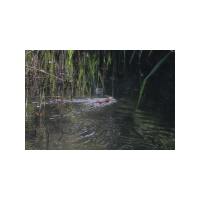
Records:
x=63, y=73
x=69, y=73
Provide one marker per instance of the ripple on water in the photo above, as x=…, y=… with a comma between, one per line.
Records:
x=81, y=125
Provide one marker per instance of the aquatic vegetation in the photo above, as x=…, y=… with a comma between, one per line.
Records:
x=149, y=75
x=77, y=73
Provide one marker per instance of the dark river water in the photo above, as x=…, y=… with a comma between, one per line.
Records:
x=82, y=126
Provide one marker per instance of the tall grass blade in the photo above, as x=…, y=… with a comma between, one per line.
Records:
x=148, y=76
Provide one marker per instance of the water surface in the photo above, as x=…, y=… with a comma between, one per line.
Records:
x=79, y=125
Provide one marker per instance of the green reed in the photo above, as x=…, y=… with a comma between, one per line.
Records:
x=162, y=60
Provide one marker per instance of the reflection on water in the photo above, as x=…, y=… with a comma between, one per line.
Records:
x=81, y=126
